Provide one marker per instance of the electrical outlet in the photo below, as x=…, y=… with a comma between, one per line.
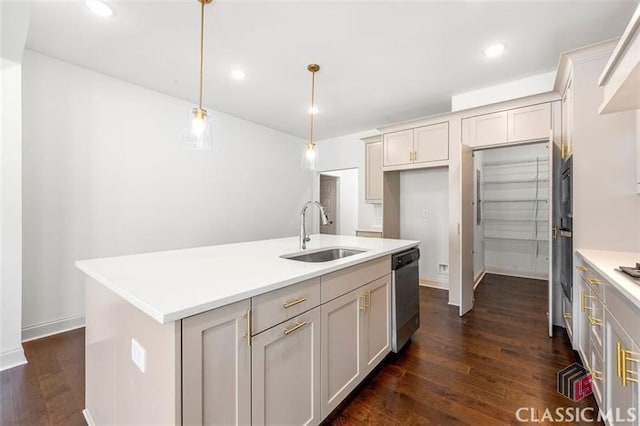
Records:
x=425, y=213
x=443, y=268
x=138, y=355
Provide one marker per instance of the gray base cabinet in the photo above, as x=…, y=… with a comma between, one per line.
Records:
x=216, y=367
x=284, y=357
x=286, y=372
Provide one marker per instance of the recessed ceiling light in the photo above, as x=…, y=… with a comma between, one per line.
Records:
x=494, y=50
x=99, y=8
x=238, y=74
x=313, y=110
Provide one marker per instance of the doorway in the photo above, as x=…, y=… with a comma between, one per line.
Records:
x=338, y=194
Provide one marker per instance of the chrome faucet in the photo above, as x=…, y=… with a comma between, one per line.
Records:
x=304, y=237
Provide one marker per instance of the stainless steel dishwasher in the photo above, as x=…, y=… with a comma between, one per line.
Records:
x=405, y=297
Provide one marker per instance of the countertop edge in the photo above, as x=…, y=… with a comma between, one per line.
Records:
x=172, y=316
x=617, y=279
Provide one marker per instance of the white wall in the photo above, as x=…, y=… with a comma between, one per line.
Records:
x=539, y=83
x=11, y=353
x=104, y=175
x=346, y=152
x=347, y=200
x=606, y=207
x=14, y=22
x=420, y=191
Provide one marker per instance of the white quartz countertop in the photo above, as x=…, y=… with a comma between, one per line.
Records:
x=172, y=285
x=606, y=263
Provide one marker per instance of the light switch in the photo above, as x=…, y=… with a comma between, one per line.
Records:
x=425, y=213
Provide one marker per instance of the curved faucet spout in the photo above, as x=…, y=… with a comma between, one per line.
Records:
x=304, y=237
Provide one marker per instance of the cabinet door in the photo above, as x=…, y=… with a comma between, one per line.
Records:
x=376, y=334
x=398, y=148
x=373, y=172
x=529, y=123
x=286, y=372
x=567, y=314
x=622, y=394
x=340, y=346
x=216, y=367
x=488, y=129
x=431, y=143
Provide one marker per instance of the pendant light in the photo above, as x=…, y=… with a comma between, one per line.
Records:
x=310, y=156
x=197, y=132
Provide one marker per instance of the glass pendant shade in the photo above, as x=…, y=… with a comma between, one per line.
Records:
x=197, y=132
x=310, y=156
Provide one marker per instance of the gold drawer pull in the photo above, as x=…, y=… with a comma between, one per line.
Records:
x=595, y=374
x=593, y=281
x=291, y=303
x=581, y=268
x=625, y=356
x=583, y=301
x=594, y=321
x=295, y=327
x=247, y=315
x=567, y=315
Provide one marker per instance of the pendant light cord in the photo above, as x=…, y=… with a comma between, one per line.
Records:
x=313, y=91
x=202, y=2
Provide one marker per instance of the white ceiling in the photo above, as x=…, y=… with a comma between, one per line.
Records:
x=381, y=61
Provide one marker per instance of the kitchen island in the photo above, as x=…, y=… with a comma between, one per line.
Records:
x=234, y=334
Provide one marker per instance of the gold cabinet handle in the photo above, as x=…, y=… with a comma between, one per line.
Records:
x=365, y=297
x=625, y=356
x=583, y=301
x=594, y=320
x=410, y=155
x=247, y=335
x=595, y=374
x=593, y=281
x=298, y=325
x=567, y=315
x=581, y=268
x=294, y=302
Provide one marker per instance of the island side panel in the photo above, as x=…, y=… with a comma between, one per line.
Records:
x=117, y=392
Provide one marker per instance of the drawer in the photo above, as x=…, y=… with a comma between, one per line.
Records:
x=343, y=281
x=625, y=312
x=592, y=278
x=281, y=305
x=567, y=315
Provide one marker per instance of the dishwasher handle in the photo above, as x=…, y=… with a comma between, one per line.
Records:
x=405, y=258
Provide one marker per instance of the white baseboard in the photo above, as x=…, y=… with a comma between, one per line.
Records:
x=12, y=358
x=517, y=275
x=442, y=285
x=45, y=329
x=87, y=417
x=479, y=278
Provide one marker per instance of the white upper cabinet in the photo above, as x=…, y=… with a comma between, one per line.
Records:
x=420, y=147
x=529, y=123
x=621, y=76
x=431, y=143
x=398, y=148
x=515, y=125
x=373, y=169
x=487, y=129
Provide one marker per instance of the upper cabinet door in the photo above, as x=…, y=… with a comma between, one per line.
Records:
x=431, y=143
x=488, y=129
x=529, y=123
x=398, y=148
x=373, y=171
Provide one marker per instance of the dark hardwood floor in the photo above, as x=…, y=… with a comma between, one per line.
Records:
x=476, y=370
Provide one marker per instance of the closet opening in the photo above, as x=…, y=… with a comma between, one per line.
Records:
x=512, y=212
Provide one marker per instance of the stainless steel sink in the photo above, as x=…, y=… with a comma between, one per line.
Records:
x=323, y=255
